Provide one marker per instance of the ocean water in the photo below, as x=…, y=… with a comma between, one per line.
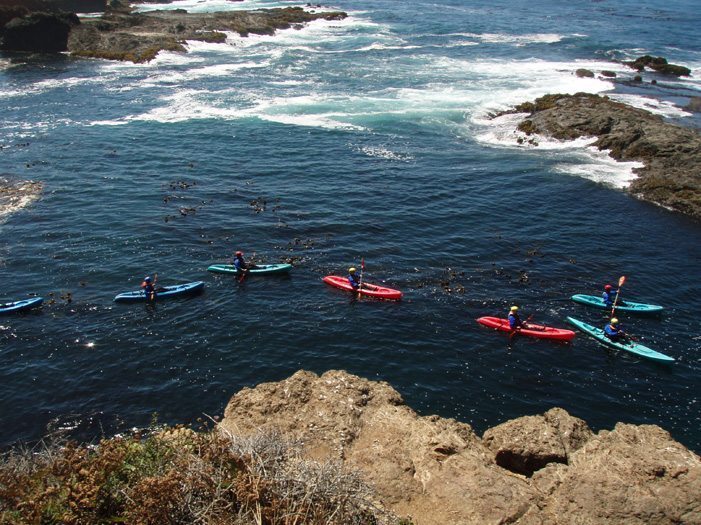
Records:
x=367, y=138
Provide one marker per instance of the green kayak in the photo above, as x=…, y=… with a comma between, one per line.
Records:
x=260, y=269
x=633, y=348
x=627, y=306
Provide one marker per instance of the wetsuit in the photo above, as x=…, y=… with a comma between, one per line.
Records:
x=240, y=264
x=610, y=297
x=615, y=333
x=353, y=280
x=149, y=290
x=514, y=321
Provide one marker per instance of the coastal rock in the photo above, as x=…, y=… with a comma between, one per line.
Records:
x=672, y=154
x=438, y=471
x=660, y=65
x=529, y=443
x=38, y=32
x=139, y=37
x=584, y=73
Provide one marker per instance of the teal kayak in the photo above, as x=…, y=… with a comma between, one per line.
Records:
x=260, y=269
x=627, y=306
x=633, y=348
x=162, y=292
x=20, y=306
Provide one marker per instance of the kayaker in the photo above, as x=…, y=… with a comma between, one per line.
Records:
x=615, y=332
x=352, y=279
x=514, y=320
x=240, y=263
x=149, y=288
x=609, y=296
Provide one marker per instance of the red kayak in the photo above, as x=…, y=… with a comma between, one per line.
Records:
x=370, y=290
x=533, y=330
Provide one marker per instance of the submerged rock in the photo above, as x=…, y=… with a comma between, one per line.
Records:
x=15, y=195
x=438, y=471
x=671, y=154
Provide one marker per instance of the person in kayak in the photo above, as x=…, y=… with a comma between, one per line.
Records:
x=240, y=263
x=514, y=320
x=149, y=288
x=353, y=279
x=615, y=332
x=609, y=296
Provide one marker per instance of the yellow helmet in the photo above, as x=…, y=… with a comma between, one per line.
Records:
x=514, y=308
x=351, y=270
x=614, y=321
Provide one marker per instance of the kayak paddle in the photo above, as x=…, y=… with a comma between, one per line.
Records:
x=621, y=281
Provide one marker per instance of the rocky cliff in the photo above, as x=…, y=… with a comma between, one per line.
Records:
x=671, y=154
x=543, y=469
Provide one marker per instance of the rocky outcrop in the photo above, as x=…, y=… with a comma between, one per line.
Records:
x=38, y=32
x=532, y=470
x=660, y=65
x=138, y=37
x=671, y=154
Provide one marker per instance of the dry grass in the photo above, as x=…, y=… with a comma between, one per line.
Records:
x=178, y=476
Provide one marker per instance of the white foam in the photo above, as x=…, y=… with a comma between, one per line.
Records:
x=22, y=195
x=518, y=40
x=600, y=167
x=659, y=107
x=385, y=153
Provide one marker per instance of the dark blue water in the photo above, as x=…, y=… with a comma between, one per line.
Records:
x=366, y=138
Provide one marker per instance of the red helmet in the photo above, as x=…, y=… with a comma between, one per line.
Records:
x=607, y=287
x=239, y=254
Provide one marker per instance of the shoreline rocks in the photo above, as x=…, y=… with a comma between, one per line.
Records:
x=671, y=176
x=139, y=37
x=536, y=469
x=120, y=34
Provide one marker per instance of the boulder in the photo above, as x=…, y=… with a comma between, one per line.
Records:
x=529, y=443
x=38, y=32
x=584, y=73
x=658, y=64
x=608, y=74
x=438, y=471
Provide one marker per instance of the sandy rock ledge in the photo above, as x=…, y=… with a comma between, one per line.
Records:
x=541, y=469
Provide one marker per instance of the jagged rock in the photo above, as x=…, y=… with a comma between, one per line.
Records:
x=437, y=471
x=660, y=65
x=139, y=37
x=529, y=443
x=608, y=74
x=38, y=32
x=671, y=154
x=584, y=73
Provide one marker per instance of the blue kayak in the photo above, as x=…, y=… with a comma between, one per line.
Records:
x=260, y=269
x=164, y=292
x=20, y=306
x=630, y=346
x=627, y=306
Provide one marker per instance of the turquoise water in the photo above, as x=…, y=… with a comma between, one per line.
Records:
x=363, y=138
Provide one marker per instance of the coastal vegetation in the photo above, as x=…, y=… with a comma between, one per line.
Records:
x=176, y=475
